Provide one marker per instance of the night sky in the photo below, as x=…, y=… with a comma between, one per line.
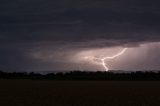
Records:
x=57, y=35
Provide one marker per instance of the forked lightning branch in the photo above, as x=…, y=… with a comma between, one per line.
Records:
x=104, y=59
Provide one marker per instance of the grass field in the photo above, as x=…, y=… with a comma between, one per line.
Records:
x=78, y=93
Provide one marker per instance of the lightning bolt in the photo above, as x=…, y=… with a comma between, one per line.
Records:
x=110, y=57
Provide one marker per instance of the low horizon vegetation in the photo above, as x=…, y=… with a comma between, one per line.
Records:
x=84, y=75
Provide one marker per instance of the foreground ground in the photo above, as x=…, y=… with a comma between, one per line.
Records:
x=78, y=93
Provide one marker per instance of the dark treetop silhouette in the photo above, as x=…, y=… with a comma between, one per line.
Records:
x=83, y=75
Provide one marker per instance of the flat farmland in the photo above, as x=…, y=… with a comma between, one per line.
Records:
x=79, y=93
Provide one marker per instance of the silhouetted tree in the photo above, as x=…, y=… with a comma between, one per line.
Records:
x=83, y=75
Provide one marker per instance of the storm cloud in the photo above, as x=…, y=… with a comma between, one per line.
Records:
x=58, y=29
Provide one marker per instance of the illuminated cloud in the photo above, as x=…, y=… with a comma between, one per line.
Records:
x=53, y=34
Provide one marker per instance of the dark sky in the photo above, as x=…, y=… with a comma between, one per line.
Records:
x=58, y=34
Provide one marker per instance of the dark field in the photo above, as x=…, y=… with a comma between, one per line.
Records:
x=78, y=93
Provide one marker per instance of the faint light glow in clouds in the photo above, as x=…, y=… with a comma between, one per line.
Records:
x=137, y=57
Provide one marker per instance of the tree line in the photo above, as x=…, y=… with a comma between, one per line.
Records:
x=84, y=75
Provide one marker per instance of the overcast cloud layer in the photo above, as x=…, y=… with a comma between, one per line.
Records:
x=34, y=31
